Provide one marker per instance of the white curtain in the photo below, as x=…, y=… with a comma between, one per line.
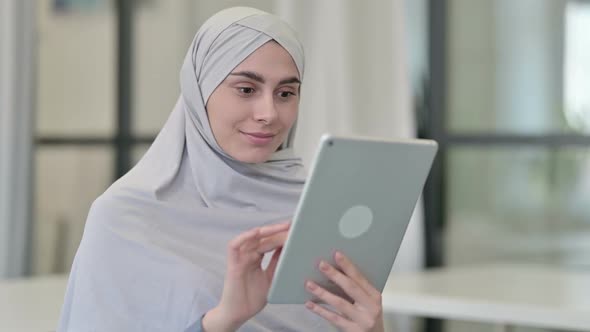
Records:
x=356, y=82
x=16, y=63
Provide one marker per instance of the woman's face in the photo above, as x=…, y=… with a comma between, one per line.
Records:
x=252, y=110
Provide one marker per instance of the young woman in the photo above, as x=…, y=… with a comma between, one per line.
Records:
x=189, y=239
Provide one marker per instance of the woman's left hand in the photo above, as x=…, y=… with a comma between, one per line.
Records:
x=365, y=313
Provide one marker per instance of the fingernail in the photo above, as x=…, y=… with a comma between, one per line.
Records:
x=338, y=255
x=311, y=285
x=324, y=266
x=309, y=305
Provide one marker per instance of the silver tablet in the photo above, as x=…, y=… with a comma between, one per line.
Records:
x=358, y=199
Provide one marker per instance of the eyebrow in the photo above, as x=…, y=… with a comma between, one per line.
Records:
x=257, y=77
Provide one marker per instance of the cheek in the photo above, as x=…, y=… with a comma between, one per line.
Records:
x=225, y=114
x=290, y=115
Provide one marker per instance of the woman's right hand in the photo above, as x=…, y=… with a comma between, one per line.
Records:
x=246, y=283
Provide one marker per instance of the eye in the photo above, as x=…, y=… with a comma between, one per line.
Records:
x=286, y=94
x=246, y=90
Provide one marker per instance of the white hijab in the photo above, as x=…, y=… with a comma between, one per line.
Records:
x=153, y=253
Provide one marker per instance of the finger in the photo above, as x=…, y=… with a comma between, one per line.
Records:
x=272, y=242
x=235, y=245
x=249, y=240
x=268, y=238
x=334, y=318
x=349, y=286
x=272, y=265
x=337, y=302
x=350, y=269
x=273, y=229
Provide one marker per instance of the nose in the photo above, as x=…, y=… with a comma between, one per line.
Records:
x=265, y=110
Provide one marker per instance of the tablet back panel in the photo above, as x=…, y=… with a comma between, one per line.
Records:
x=359, y=199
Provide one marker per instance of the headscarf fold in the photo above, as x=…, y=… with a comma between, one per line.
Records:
x=153, y=253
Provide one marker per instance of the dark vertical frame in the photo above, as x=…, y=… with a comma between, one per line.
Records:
x=434, y=120
x=434, y=190
x=125, y=22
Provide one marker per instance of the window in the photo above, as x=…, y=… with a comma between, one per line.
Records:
x=577, y=66
x=509, y=106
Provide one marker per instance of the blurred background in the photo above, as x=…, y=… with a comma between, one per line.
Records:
x=502, y=85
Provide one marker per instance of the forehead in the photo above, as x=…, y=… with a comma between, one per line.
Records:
x=270, y=60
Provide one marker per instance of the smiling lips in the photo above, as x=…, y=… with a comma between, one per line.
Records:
x=258, y=138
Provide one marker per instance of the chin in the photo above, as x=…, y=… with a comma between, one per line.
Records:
x=256, y=157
